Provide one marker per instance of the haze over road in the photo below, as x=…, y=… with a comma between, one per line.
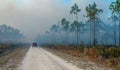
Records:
x=40, y=59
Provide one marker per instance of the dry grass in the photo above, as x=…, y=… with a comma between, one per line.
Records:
x=12, y=60
x=108, y=59
x=82, y=62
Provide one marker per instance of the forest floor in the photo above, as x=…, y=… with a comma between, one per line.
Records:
x=81, y=62
x=12, y=58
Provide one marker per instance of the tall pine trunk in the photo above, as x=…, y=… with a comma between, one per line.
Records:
x=90, y=34
x=77, y=29
x=119, y=30
x=114, y=32
x=77, y=39
x=94, y=40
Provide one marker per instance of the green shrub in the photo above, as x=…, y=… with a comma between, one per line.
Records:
x=111, y=52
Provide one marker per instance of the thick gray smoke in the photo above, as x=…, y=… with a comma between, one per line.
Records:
x=34, y=17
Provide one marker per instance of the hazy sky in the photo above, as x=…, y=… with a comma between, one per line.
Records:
x=33, y=17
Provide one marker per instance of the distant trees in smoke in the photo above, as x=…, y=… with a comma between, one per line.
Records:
x=115, y=8
x=93, y=31
x=9, y=34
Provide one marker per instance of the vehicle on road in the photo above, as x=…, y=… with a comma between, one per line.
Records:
x=34, y=44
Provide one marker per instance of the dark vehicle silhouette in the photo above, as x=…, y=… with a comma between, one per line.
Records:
x=34, y=45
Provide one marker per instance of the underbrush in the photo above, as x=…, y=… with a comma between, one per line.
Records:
x=5, y=47
x=107, y=56
x=11, y=59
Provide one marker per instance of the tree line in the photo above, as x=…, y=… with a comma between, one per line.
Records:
x=9, y=34
x=91, y=32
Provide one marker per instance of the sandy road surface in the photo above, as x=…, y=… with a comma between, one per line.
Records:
x=39, y=59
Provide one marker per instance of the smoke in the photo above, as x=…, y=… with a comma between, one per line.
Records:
x=34, y=17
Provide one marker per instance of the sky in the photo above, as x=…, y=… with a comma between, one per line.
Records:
x=34, y=17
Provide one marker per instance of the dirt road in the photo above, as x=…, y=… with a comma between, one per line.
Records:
x=39, y=59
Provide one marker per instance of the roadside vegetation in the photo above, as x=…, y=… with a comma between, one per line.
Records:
x=105, y=56
x=11, y=59
x=93, y=37
x=12, y=47
x=10, y=38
